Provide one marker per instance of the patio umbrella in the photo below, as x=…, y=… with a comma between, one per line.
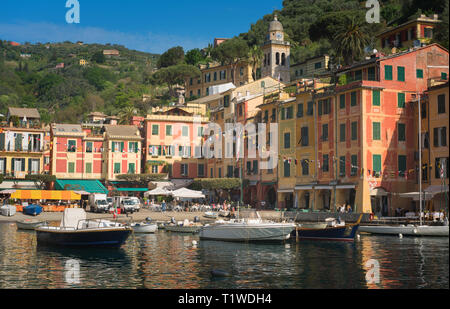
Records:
x=188, y=194
x=157, y=191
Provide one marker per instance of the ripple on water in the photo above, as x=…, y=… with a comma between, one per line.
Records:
x=170, y=261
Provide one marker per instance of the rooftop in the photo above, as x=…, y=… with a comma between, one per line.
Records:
x=29, y=113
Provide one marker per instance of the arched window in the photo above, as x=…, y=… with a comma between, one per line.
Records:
x=283, y=59
x=277, y=58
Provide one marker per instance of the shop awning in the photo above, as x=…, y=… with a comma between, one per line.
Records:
x=323, y=187
x=306, y=187
x=378, y=192
x=91, y=186
x=285, y=191
x=45, y=195
x=132, y=189
x=345, y=187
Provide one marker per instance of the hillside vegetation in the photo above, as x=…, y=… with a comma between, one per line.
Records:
x=32, y=75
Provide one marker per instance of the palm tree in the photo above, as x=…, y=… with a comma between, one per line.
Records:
x=350, y=41
x=255, y=56
x=127, y=114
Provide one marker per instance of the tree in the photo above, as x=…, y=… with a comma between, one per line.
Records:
x=173, y=56
x=127, y=114
x=255, y=56
x=194, y=57
x=441, y=35
x=176, y=74
x=231, y=52
x=99, y=57
x=42, y=180
x=350, y=41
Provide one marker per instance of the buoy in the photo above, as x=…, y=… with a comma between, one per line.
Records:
x=400, y=235
x=220, y=273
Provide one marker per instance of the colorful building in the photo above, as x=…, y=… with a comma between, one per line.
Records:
x=310, y=68
x=376, y=126
x=404, y=35
x=435, y=145
x=22, y=143
x=122, y=151
x=174, y=139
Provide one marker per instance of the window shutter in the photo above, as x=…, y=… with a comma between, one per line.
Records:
x=376, y=98
x=113, y=146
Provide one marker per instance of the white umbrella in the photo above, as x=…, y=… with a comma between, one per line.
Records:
x=186, y=193
x=157, y=191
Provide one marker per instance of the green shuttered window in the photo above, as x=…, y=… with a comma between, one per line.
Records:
x=376, y=131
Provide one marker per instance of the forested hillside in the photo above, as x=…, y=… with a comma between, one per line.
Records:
x=51, y=78
x=312, y=26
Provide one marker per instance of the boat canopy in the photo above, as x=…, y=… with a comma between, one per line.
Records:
x=72, y=216
x=45, y=195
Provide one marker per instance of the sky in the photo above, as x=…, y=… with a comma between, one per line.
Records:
x=144, y=25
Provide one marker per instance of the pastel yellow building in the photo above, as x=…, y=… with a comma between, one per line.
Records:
x=22, y=143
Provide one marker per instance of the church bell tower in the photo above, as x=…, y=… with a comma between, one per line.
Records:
x=276, y=53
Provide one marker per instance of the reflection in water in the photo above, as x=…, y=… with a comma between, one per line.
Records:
x=170, y=261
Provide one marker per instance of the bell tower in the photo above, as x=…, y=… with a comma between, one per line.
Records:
x=276, y=53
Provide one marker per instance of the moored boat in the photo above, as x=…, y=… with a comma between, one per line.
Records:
x=32, y=210
x=250, y=229
x=210, y=215
x=29, y=224
x=183, y=229
x=408, y=230
x=77, y=231
x=333, y=231
x=144, y=227
x=8, y=210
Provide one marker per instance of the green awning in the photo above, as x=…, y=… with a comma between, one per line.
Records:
x=91, y=186
x=132, y=189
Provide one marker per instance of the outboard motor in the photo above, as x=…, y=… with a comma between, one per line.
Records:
x=172, y=220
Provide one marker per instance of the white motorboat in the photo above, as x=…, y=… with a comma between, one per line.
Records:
x=144, y=227
x=8, y=210
x=29, y=224
x=408, y=230
x=211, y=215
x=249, y=229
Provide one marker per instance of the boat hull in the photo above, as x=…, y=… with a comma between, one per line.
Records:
x=407, y=230
x=83, y=238
x=183, y=229
x=339, y=233
x=145, y=229
x=28, y=225
x=247, y=233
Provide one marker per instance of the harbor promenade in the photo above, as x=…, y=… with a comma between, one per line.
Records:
x=143, y=214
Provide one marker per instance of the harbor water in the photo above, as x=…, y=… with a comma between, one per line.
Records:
x=172, y=261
